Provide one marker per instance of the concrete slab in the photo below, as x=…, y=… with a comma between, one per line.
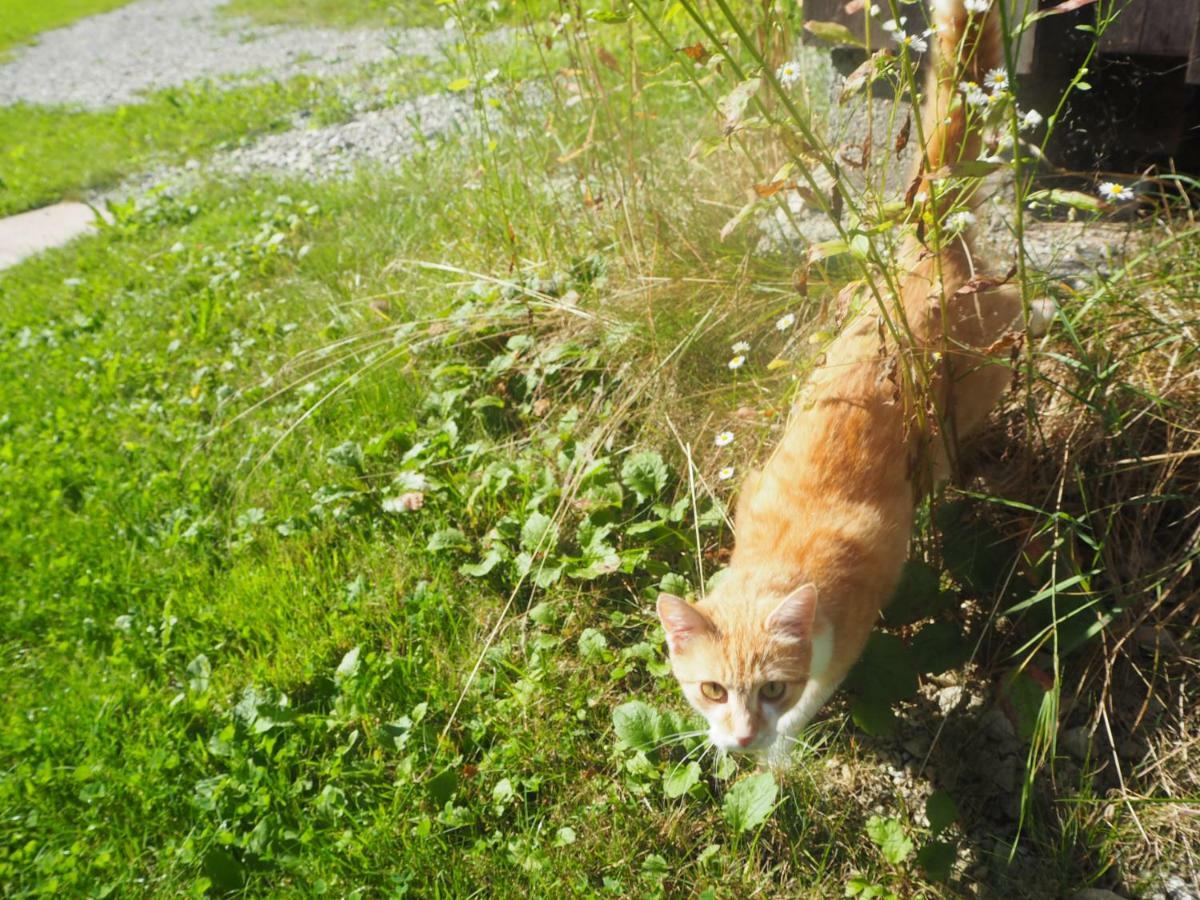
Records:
x=40, y=229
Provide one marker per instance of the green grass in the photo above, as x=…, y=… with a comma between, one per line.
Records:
x=375, y=13
x=233, y=663
x=41, y=160
x=338, y=13
x=21, y=21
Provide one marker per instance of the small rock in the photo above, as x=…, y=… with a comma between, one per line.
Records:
x=1130, y=749
x=949, y=698
x=1075, y=741
x=998, y=727
x=1175, y=888
x=1004, y=774
x=918, y=746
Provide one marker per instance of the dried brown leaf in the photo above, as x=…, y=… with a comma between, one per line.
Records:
x=771, y=188
x=608, y=59
x=902, y=137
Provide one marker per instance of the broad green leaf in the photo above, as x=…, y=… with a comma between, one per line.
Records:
x=875, y=717
x=749, y=802
x=539, y=533
x=609, y=18
x=674, y=584
x=645, y=474
x=967, y=168
x=681, y=779
x=592, y=645
x=1023, y=695
x=974, y=552
x=447, y=539
x=1074, y=199
x=940, y=646
x=441, y=787
x=542, y=614
x=916, y=596
x=833, y=32
x=827, y=250
x=224, y=870
x=885, y=672
x=655, y=868
x=888, y=835
x=484, y=566
x=636, y=725
x=941, y=811
x=348, y=667
x=937, y=859
x=348, y=454
x=200, y=670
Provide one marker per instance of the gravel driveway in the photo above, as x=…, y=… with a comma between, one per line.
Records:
x=114, y=57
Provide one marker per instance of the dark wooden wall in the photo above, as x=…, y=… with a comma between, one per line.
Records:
x=1154, y=28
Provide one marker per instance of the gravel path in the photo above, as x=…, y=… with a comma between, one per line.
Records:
x=383, y=136
x=112, y=58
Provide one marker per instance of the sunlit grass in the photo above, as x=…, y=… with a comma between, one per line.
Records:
x=21, y=21
x=212, y=401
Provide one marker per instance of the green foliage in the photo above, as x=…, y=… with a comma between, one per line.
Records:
x=328, y=571
x=645, y=474
x=748, y=803
x=21, y=22
x=40, y=162
x=888, y=835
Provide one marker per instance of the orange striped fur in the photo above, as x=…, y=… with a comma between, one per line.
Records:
x=822, y=531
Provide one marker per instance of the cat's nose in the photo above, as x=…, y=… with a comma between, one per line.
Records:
x=745, y=740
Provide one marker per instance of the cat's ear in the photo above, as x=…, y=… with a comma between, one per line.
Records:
x=793, y=618
x=681, y=621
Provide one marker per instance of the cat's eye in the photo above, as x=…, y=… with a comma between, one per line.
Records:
x=772, y=690
x=713, y=691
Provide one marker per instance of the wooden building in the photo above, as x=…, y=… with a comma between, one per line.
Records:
x=1143, y=108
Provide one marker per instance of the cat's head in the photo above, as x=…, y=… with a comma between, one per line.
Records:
x=743, y=662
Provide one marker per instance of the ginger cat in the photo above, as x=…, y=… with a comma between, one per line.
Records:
x=823, y=529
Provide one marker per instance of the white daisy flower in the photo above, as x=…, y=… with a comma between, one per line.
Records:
x=977, y=6
x=960, y=221
x=737, y=362
x=996, y=79
x=788, y=74
x=892, y=25
x=973, y=93
x=1030, y=119
x=404, y=503
x=724, y=439
x=725, y=474
x=741, y=347
x=1114, y=192
x=785, y=322
x=874, y=10
x=912, y=42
